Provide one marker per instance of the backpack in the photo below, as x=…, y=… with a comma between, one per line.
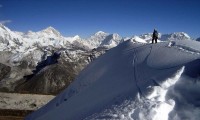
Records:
x=155, y=33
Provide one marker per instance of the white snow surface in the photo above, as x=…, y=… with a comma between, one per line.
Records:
x=133, y=81
x=138, y=39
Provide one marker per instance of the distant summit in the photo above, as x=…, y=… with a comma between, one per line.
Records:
x=111, y=40
x=100, y=33
x=51, y=30
x=175, y=36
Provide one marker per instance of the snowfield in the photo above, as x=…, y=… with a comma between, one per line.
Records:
x=133, y=81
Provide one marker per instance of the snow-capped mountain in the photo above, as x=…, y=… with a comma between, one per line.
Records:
x=22, y=53
x=97, y=38
x=102, y=39
x=51, y=31
x=165, y=37
x=111, y=41
x=48, y=36
x=72, y=39
x=9, y=38
x=133, y=81
x=6, y=33
x=175, y=36
x=146, y=37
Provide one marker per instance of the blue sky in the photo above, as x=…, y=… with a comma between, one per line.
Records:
x=85, y=17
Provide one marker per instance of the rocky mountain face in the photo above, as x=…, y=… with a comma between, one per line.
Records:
x=22, y=54
x=4, y=70
x=50, y=80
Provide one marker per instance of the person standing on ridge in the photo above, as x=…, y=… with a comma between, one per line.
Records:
x=155, y=36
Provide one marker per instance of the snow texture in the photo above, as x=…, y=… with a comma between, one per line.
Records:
x=133, y=81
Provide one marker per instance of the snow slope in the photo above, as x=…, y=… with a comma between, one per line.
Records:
x=133, y=81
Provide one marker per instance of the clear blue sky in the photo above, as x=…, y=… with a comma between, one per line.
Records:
x=85, y=17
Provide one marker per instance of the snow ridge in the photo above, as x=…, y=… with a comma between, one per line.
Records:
x=130, y=81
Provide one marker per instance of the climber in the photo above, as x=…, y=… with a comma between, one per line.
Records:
x=155, y=36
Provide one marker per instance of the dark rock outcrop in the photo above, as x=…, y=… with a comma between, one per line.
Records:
x=50, y=80
x=4, y=70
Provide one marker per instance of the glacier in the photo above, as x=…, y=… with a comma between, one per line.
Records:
x=133, y=81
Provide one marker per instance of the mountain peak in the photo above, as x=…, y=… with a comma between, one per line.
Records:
x=175, y=36
x=77, y=37
x=51, y=30
x=4, y=28
x=182, y=34
x=1, y=25
x=116, y=36
x=99, y=33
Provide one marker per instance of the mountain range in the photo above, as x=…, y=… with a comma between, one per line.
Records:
x=52, y=37
x=22, y=53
